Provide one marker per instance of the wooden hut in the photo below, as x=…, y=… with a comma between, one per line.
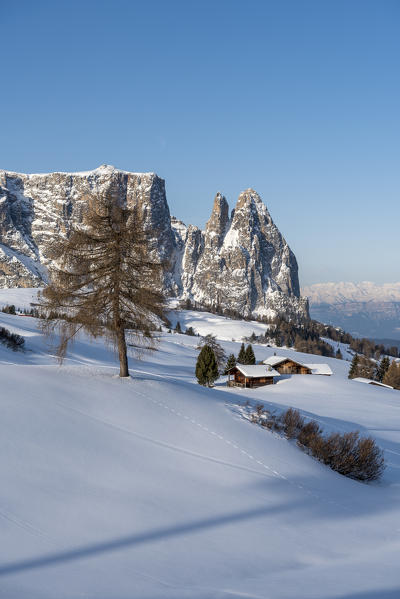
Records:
x=285, y=365
x=252, y=376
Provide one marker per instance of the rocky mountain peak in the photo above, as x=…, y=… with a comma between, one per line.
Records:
x=216, y=226
x=106, y=168
x=241, y=264
x=250, y=205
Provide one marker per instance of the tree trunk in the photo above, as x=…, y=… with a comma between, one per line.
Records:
x=123, y=358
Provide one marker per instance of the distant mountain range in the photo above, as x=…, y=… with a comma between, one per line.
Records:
x=363, y=309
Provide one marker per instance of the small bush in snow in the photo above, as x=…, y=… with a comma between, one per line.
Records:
x=352, y=455
x=11, y=340
x=309, y=434
x=292, y=422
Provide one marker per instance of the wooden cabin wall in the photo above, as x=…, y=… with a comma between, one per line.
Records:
x=290, y=367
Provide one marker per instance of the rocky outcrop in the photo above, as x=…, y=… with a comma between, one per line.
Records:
x=243, y=262
x=239, y=263
x=35, y=208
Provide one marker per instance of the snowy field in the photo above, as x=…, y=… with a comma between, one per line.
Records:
x=19, y=297
x=225, y=329
x=156, y=488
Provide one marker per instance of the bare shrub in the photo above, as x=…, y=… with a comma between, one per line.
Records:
x=340, y=452
x=309, y=434
x=350, y=455
x=292, y=423
x=370, y=460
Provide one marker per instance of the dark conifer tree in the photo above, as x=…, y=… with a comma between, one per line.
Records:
x=231, y=362
x=217, y=348
x=382, y=369
x=178, y=328
x=241, y=359
x=353, y=367
x=249, y=355
x=338, y=354
x=206, y=367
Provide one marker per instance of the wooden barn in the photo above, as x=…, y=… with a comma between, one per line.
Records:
x=252, y=376
x=285, y=365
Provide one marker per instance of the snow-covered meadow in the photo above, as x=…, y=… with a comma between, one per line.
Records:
x=157, y=488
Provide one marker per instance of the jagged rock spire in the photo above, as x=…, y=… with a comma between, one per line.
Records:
x=217, y=223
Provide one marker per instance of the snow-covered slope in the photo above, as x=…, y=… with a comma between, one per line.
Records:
x=156, y=488
x=19, y=297
x=224, y=328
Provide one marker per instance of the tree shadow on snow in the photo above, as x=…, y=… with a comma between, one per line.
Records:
x=135, y=540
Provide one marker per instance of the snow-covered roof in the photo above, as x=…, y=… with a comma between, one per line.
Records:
x=361, y=379
x=319, y=368
x=315, y=368
x=256, y=370
x=274, y=360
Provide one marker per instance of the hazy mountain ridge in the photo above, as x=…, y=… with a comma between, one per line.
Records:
x=240, y=262
x=364, y=309
x=334, y=293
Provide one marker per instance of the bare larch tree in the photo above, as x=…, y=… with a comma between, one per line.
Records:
x=104, y=279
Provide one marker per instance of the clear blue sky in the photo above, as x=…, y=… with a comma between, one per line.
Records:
x=297, y=99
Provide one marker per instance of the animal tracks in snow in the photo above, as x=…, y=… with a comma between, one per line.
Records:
x=270, y=471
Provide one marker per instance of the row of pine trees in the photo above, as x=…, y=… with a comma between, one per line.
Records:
x=385, y=371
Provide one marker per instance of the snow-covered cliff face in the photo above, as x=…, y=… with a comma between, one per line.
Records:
x=240, y=262
x=34, y=208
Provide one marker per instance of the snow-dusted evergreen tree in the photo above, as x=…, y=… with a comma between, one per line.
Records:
x=382, y=369
x=206, y=367
x=353, y=367
x=241, y=359
x=217, y=348
x=249, y=355
x=231, y=362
